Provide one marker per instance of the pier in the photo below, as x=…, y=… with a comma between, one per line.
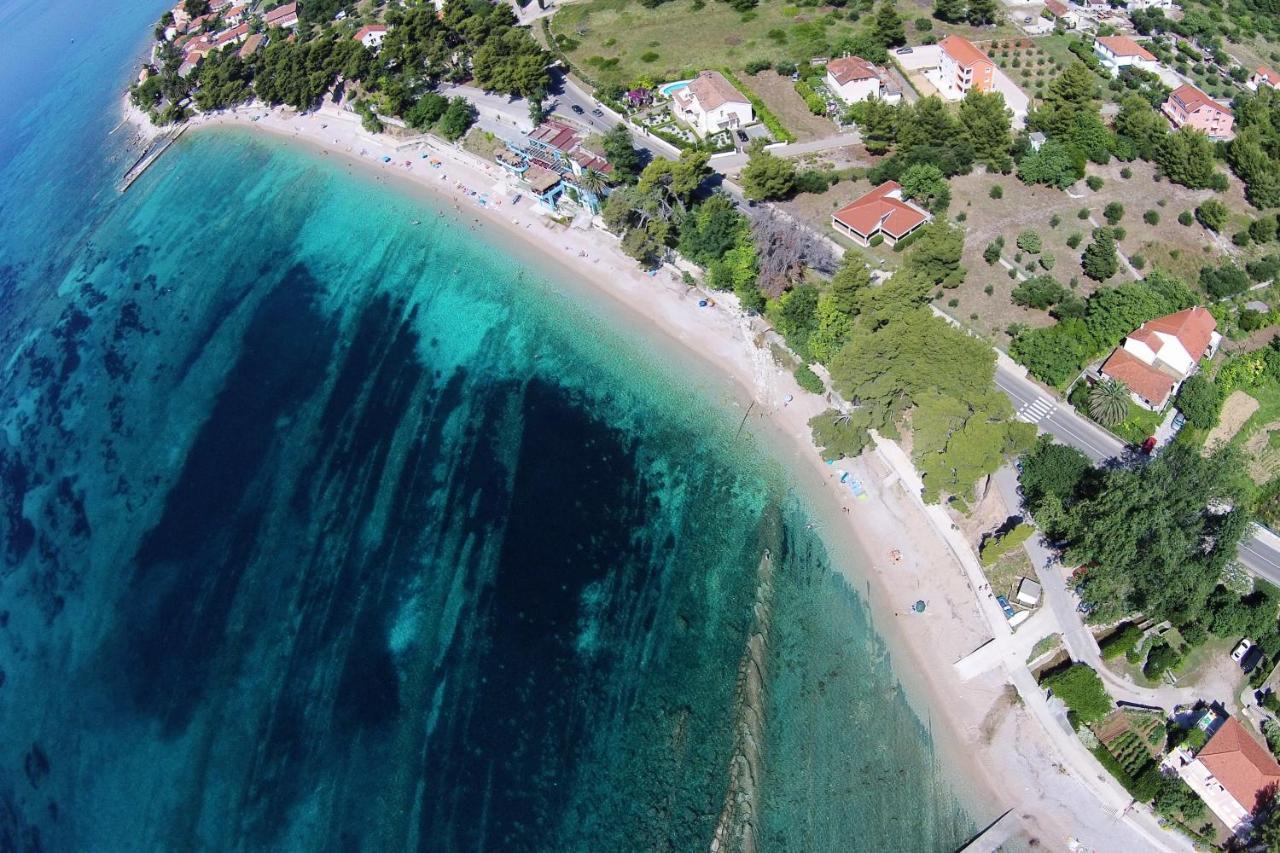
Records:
x=158, y=146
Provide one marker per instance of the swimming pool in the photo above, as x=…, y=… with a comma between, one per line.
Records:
x=669, y=89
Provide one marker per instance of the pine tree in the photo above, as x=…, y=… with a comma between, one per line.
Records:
x=1099, y=260
x=982, y=12
x=888, y=27
x=951, y=11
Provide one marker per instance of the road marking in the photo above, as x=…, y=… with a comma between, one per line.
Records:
x=1036, y=411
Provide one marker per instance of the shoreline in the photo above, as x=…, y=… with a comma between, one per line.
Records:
x=995, y=777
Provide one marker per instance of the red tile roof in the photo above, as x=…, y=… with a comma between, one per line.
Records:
x=712, y=90
x=1266, y=75
x=1056, y=7
x=369, y=28
x=963, y=52
x=1147, y=382
x=557, y=135
x=878, y=211
x=230, y=35
x=1125, y=46
x=1193, y=327
x=851, y=68
x=1193, y=99
x=279, y=13
x=1243, y=766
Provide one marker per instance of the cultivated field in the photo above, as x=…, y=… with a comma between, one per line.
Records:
x=779, y=95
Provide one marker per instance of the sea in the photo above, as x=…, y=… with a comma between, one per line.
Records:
x=327, y=523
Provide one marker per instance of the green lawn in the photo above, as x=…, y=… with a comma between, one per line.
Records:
x=620, y=41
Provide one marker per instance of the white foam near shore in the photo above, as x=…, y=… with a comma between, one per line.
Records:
x=1010, y=761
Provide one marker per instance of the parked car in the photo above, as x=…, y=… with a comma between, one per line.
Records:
x=1179, y=421
x=1004, y=605
x=1241, y=649
x=1252, y=658
x=577, y=109
x=742, y=136
x=1149, y=446
x=903, y=51
x=597, y=112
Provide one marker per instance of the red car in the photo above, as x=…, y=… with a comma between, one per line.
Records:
x=1149, y=446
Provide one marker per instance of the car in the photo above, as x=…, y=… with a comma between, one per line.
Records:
x=903, y=51
x=597, y=112
x=1149, y=446
x=577, y=109
x=1241, y=649
x=1004, y=605
x=742, y=136
x=1179, y=421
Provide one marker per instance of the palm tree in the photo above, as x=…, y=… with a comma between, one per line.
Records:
x=593, y=181
x=1109, y=402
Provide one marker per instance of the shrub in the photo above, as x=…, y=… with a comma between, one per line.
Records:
x=876, y=240
x=1185, y=218
x=991, y=254
x=1138, y=261
x=1029, y=241
x=1264, y=269
x=1212, y=214
x=1242, y=238
x=1094, y=182
x=1047, y=262
x=953, y=303
x=1113, y=212
x=1121, y=642
x=1082, y=213
x=1073, y=241
x=1199, y=400
x=1263, y=229
x=1080, y=689
x=997, y=191
x=808, y=380
x=1040, y=292
x=1126, y=173
x=755, y=66
x=996, y=547
x=1151, y=217
x=1226, y=280
x=1162, y=658
x=1251, y=320
x=1055, y=221
x=650, y=56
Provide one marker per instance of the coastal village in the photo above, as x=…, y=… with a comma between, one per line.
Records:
x=1017, y=260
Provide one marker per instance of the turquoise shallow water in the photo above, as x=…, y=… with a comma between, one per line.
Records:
x=323, y=530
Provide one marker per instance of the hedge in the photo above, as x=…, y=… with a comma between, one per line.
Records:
x=808, y=380
x=812, y=99
x=767, y=118
x=1121, y=642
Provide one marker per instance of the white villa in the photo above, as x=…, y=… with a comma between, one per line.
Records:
x=371, y=36
x=1232, y=773
x=853, y=79
x=1118, y=52
x=710, y=104
x=1154, y=359
x=1263, y=76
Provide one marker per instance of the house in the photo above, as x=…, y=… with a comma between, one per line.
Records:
x=235, y=35
x=371, y=35
x=1165, y=5
x=1187, y=106
x=881, y=211
x=1264, y=76
x=853, y=79
x=251, y=45
x=1118, y=52
x=964, y=67
x=1154, y=360
x=1231, y=773
x=1029, y=592
x=710, y=104
x=1094, y=6
x=556, y=149
x=234, y=15
x=282, y=16
x=1062, y=13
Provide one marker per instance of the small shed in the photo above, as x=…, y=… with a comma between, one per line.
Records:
x=1037, y=139
x=1029, y=592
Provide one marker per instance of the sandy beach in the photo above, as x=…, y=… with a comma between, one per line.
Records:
x=897, y=554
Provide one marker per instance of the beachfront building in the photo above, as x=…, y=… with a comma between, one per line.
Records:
x=1263, y=76
x=882, y=212
x=1116, y=52
x=963, y=67
x=710, y=104
x=1062, y=13
x=1232, y=773
x=1187, y=106
x=371, y=35
x=556, y=148
x=285, y=16
x=1154, y=360
x=853, y=79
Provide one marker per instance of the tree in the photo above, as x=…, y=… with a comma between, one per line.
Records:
x=1039, y=292
x=457, y=118
x=981, y=12
x=673, y=182
x=934, y=258
x=1029, y=241
x=887, y=27
x=1212, y=214
x=195, y=8
x=1081, y=690
x=879, y=124
x=986, y=122
x=621, y=154
x=1053, y=164
x=1052, y=470
x=849, y=282
x=593, y=181
x=1139, y=123
x=768, y=177
x=712, y=230
x=1113, y=213
x=1199, y=400
x=786, y=253
x=951, y=11
x=427, y=111
x=925, y=124
x=1109, y=402
x=1186, y=157
x=926, y=184
x=1100, y=260
x=1250, y=160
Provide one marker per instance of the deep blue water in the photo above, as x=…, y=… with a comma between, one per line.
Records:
x=322, y=530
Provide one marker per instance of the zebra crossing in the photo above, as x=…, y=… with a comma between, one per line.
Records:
x=1036, y=410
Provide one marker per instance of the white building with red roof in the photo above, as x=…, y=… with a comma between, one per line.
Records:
x=1263, y=76
x=853, y=79
x=882, y=211
x=234, y=35
x=234, y=15
x=371, y=35
x=1154, y=360
x=1187, y=106
x=1060, y=11
x=710, y=104
x=1118, y=52
x=282, y=16
x=1232, y=773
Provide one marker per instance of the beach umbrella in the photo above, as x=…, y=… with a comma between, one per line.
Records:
x=919, y=606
